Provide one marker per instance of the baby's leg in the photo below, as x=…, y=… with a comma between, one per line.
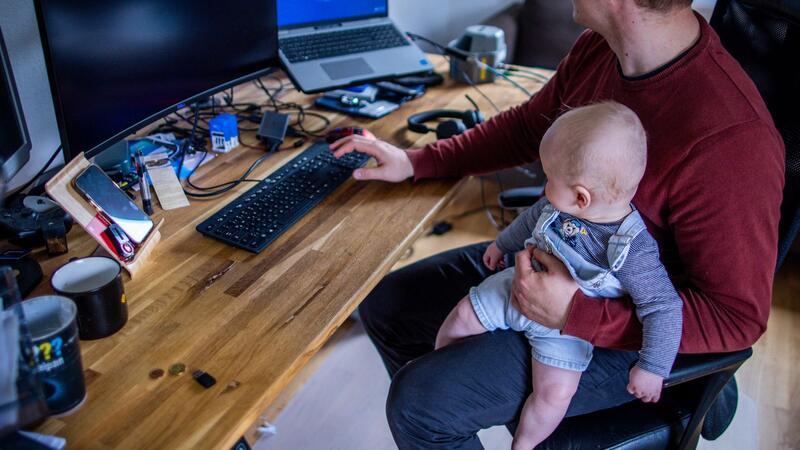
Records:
x=460, y=323
x=553, y=389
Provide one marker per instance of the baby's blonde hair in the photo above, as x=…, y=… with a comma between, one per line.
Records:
x=602, y=146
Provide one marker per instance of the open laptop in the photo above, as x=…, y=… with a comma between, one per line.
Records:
x=326, y=44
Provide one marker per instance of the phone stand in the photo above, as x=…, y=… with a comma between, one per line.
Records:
x=62, y=191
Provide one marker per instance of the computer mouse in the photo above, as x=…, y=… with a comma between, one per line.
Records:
x=340, y=133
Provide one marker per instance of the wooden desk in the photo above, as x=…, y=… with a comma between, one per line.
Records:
x=255, y=319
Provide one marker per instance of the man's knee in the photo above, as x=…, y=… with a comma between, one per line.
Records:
x=417, y=407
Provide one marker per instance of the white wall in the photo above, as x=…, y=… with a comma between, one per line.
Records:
x=443, y=20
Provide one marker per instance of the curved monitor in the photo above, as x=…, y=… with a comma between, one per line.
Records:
x=15, y=144
x=117, y=65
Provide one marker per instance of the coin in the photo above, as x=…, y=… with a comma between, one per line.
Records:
x=156, y=374
x=177, y=369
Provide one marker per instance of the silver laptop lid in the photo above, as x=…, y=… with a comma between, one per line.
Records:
x=308, y=13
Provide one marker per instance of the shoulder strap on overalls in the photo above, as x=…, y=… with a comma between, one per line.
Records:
x=549, y=213
x=620, y=242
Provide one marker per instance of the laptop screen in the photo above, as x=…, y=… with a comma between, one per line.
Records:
x=294, y=13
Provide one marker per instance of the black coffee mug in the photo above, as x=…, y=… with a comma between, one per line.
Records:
x=95, y=284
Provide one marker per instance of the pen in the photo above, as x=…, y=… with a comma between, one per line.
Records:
x=144, y=186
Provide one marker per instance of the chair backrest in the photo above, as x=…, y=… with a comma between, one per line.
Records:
x=764, y=36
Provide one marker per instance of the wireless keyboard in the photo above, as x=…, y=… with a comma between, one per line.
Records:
x=257, y=217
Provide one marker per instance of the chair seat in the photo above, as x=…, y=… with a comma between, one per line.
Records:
x=634, y=425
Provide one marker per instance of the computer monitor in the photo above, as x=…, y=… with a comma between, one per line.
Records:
x=117, y=65
x=15, y=143
x=294, y=13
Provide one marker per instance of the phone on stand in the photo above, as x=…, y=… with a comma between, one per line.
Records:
x=99, y=190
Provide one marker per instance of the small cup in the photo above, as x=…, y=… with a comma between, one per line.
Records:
x=54, y=335
x=95, y=284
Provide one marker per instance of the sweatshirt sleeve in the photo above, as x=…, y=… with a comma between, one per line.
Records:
x=658, y=306
x=512, y=238
x=724, y=212
x=510, y=138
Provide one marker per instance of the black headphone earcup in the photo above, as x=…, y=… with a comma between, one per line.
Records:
x=472, y=118
x=449, y=128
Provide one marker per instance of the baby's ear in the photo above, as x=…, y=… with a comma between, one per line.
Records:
x=583, y=198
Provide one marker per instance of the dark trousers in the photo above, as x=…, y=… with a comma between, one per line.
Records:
x=439, y=400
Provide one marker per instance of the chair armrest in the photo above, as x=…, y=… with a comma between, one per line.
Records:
x=520, y=197
x=691, y=367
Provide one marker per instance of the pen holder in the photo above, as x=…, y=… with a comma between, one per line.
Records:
x=62, y=191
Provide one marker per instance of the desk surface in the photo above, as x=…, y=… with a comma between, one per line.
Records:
x=255, y=319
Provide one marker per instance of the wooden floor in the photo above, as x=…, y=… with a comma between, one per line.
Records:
x=337, y=402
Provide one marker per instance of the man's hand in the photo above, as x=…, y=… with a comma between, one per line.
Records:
x=493, y=258
x=544, y=297
x=393, y=163
x=644, y=385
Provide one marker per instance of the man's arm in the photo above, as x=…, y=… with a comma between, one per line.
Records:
x=509, y=139
x=512, y=238
x=725, y=207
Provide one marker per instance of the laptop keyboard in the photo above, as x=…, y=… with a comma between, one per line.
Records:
x=344, y=42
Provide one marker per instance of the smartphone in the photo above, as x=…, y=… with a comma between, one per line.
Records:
x=108, y=198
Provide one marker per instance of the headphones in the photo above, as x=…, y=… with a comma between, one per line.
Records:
x=447, y=128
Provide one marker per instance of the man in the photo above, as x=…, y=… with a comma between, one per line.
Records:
x=710, y=196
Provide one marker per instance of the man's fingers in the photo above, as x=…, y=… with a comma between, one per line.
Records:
x=547, y=260
x=370, y=173
x=356, y=143
x=523, y=259
x=343, y=141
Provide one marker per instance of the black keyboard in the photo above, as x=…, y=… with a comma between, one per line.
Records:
x=257, y=217
x=344, y=42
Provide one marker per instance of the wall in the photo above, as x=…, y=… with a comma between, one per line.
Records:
x=18, y=22
x=443, y=20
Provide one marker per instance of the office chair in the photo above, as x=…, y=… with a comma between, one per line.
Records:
x=764, y=36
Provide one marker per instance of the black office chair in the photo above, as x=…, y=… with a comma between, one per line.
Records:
x=764, y=36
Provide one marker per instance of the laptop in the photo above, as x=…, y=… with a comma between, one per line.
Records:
x=327, y=44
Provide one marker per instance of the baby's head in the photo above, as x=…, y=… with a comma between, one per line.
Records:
x=594, y=157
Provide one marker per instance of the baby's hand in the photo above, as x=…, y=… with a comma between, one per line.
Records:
x=493, y=258
x=644, y=385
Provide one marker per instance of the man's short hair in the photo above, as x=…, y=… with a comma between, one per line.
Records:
x=663, y=5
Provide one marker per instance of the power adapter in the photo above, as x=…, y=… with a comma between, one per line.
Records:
x=273, y=128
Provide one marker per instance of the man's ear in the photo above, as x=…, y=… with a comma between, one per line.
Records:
x=583, y=198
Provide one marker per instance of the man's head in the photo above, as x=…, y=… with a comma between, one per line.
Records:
x=594, y=157
x=596, y=14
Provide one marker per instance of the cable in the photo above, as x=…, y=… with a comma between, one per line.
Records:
x=300, y=111
x=483, y=65
x=536, y=75
x=42, y=171
x=213, y=191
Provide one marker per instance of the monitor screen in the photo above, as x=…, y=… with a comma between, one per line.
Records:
x=15, y=144
x=292, y=13
x=118, y=65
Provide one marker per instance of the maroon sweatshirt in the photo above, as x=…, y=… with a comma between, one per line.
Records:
x=710, y=195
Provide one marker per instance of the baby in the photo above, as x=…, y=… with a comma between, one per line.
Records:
x=594, y=158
